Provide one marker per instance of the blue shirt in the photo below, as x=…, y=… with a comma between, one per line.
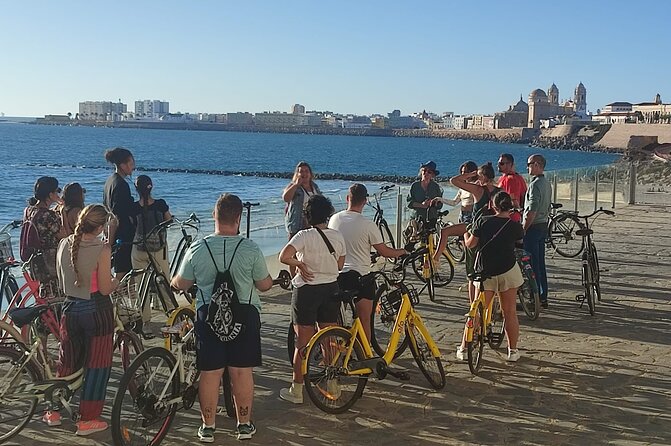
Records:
x=248, y=266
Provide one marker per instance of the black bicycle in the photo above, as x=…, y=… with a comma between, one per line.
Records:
x=378, y=218
x=8, y=284
x=591, y=274
x=562, y=236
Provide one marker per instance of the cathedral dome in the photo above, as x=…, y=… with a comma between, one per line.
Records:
x=538, y=95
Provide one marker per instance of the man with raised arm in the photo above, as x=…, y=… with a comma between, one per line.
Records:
x=535, y=221
x=512, y=182
x=225, y=249
x=360, y=235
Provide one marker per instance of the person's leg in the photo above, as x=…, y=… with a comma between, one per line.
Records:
x=488, y=297
x=543, y=283
x=364, y=308
x=303, y=334
x=208, y=395
x=140, y=260
x=242, y=383
x=98, y=324
x=509, y=308
x=445, y=234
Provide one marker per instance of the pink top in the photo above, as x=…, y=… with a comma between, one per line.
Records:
x=94, y=281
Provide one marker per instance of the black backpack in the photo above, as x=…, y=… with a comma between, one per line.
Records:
x=147, y=220
x=226, y=316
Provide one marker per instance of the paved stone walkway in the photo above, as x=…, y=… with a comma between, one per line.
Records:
x=581, y=380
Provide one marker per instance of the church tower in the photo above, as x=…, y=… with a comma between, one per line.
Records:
x=553, y=94
x=580, y=101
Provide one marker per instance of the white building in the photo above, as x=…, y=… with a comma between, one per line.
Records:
x=151, y=109
x=102, y=110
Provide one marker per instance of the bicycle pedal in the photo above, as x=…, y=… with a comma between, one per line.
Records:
x=580, y=298
x=496, y=337
x=399, y=374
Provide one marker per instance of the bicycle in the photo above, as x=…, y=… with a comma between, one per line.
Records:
x=338, y=361
x=562, y=227
x=27, y=375
x=379, y=220
x=8, y=284
x=484, y=323
x=528, y=293
x=590, y=271
x=157, y=384
x=425, y=267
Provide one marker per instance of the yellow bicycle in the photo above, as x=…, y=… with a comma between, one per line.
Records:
x=338, y=361
x=484, y=324
x=432, y=274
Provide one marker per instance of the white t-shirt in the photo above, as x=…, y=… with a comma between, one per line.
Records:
x=360, y=234
x=312, y=250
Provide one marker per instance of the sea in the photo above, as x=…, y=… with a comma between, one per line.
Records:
x=72, y=153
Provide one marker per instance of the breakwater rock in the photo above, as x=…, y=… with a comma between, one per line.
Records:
x=354, y=177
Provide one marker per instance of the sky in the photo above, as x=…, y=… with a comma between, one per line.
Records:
x=360, y=57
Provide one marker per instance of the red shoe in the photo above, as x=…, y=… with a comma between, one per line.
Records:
x=90, y=427
x=52, y=418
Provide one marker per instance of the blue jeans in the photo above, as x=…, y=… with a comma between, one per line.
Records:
x=534, y=244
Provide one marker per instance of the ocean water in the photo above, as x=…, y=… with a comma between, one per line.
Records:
x=76, y=154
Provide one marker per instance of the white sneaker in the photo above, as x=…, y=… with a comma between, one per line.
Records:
x=293, y=394
x=333, y=389
x=513, y=355
x=461, y=354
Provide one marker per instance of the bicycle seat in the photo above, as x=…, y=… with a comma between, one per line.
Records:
x=584, y=232
x=556, y=205
x=347, y=296
x=478, y=277
x=24, y=316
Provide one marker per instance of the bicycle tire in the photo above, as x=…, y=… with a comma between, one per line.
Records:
x=383, y=320
x=9, y=357
x=180, y=315
x=596, y=272
x=229, y=403
x=419, y=347
x=587, y=284
x=142, y=401
x=388, y=240
x=129, y=345
x=475, y=347
x=439, y=280
x=527, y=294
x=343, y=321
x=456, y=249
x=319, y=377
x=496, y=335
x=561, y=233
x=10, y=288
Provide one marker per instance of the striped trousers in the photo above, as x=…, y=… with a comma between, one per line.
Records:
x=87, y=330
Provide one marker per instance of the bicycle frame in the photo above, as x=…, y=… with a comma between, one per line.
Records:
x=473, y=312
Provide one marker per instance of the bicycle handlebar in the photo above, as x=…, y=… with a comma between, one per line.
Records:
x=605, y=211
x=248, y=204
x=14, y=224
x=190, y=222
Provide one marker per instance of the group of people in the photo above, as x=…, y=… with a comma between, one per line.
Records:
x=326, y=252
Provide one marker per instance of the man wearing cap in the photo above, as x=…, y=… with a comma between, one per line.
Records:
x=360, y=235
x=424, y=194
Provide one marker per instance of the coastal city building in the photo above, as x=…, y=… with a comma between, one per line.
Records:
x=546, y=106
x=518, y=114
x=298, y=109
x=396, y=121
x=151, y=109
x=239, y=119
x=655, y=112
x=101, y=110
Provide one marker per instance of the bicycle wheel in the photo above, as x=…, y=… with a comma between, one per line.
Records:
x=596, y=272
x=430, y=365
x=497, y=327
x=385, y=308
x=327, y=381
x=17, y=406
x=528, y=295
x=129, y=346
x=456, y=248
x=180, y=317
x=229, y=404
x=140, y=416
x=476, y=346
x=10, y=288
x=587, y=283
x=563, y=239
x=441, y=277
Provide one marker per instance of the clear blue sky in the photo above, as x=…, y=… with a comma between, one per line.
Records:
x=346, y=56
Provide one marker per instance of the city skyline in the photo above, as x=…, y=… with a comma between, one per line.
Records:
x=218, y=57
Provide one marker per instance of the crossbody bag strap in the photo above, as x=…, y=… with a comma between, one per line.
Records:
x=326, y=240
x=495, y=235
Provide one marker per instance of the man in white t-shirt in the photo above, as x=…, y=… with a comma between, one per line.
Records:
x=360, y=235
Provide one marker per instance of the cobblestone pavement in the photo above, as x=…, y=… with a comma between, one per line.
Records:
x=581, y=380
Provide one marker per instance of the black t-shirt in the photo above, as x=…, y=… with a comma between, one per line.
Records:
x=118, y=199
x=499, y=255
x=158, y=207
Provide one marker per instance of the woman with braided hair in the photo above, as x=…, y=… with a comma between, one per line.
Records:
x=84, y=270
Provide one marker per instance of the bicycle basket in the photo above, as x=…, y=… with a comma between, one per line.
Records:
x=6, y=246
x=127, y=302
x=390, y=302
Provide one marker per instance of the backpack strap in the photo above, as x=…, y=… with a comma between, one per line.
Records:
x=211, y=256
x=326, y=240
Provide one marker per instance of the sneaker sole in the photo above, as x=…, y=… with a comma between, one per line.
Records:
x=205, y=439
x=246, y=436
x=290, y=401
x=90, y=431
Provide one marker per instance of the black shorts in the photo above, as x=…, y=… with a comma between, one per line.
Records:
x=350, y=281
x=243, y=351
x=311, y=304
x=122, y=258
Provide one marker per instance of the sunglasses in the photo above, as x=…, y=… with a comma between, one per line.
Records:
x=501, y=163
x=532, y=162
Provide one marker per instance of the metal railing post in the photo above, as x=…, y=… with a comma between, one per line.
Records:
x=632, y=183
x=399, y=218
x=554, y=188
x=614, y=188
x=575, y=192
x=596, y=190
